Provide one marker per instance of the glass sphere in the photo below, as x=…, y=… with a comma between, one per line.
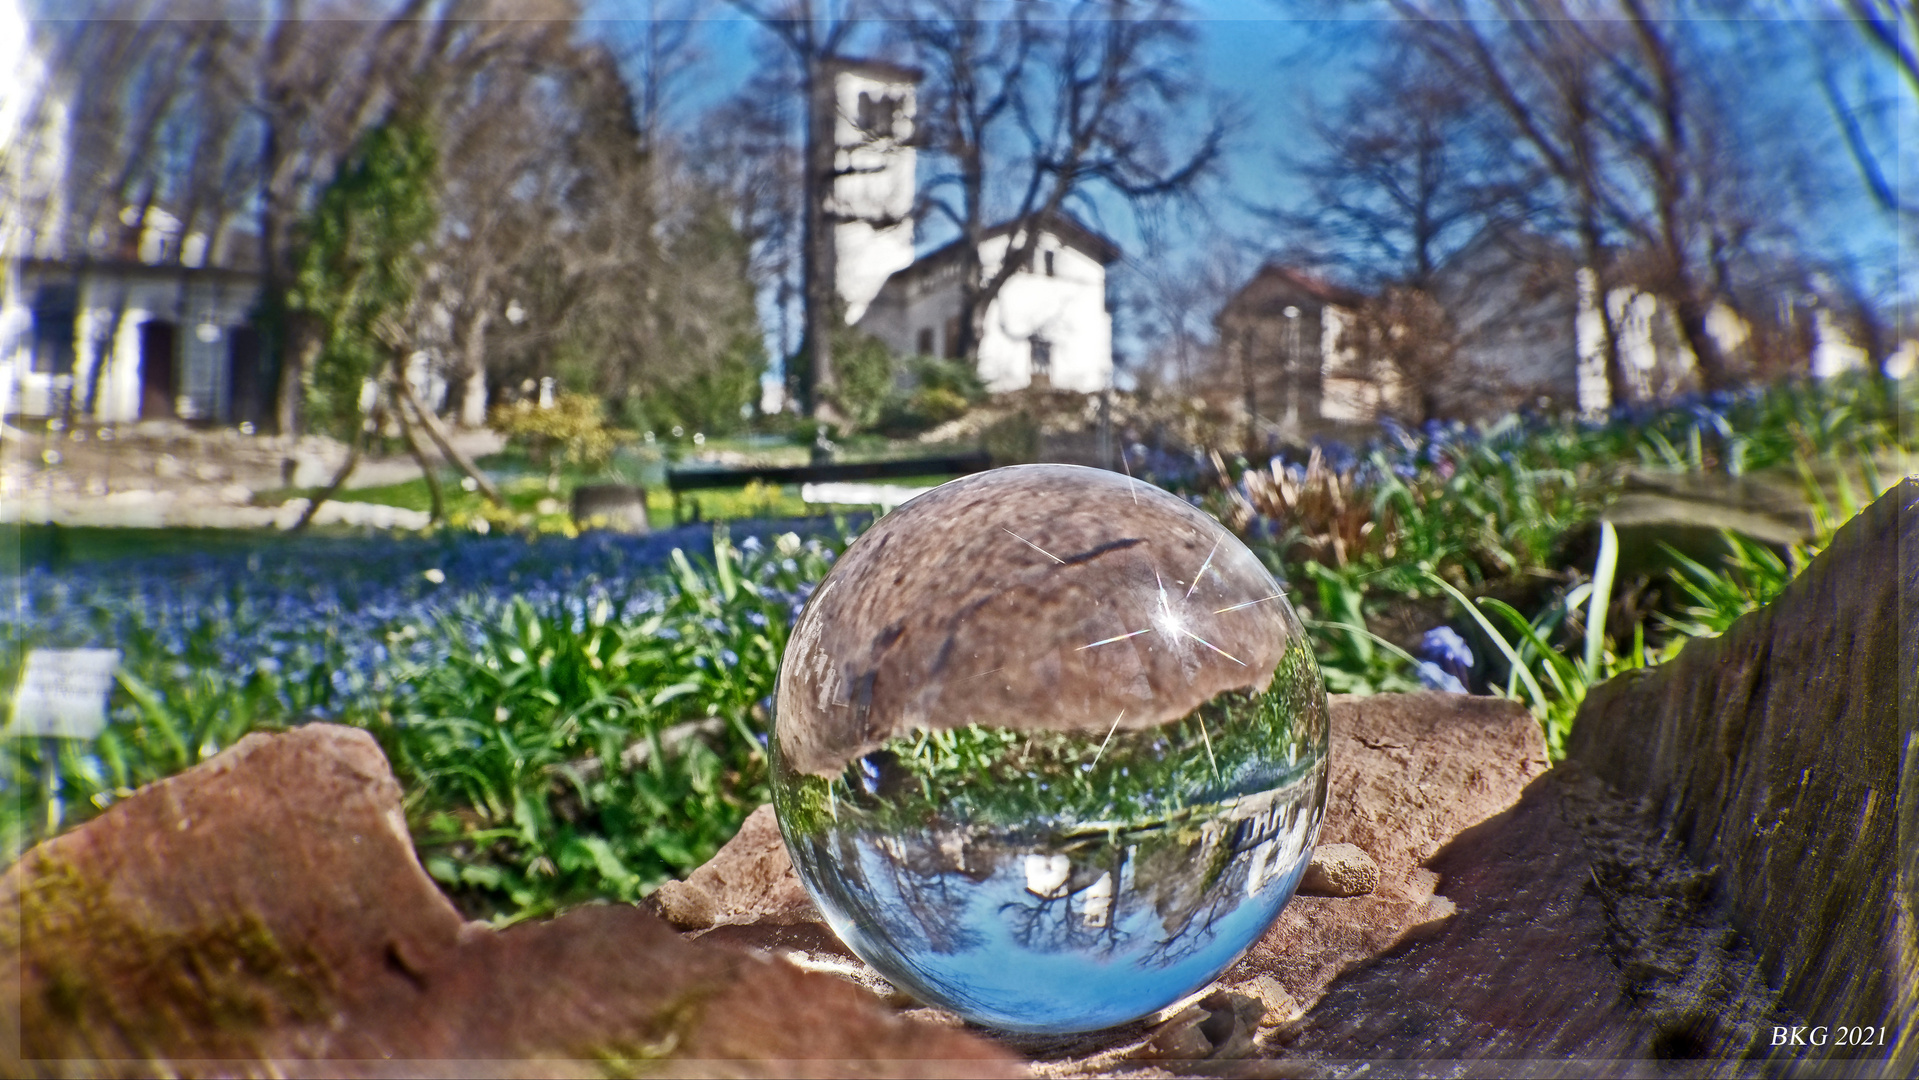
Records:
x=1050, y=749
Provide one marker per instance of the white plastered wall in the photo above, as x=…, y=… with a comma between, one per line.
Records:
x=1067, y=309
x=107, y=325
x=876, y=186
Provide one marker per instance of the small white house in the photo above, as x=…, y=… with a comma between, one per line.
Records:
x=1049, y=325
x=147, y=318
x=117, y=342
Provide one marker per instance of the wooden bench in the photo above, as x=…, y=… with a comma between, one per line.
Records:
x=708, y=479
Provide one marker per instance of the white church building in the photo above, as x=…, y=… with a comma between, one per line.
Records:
x=1048, y=326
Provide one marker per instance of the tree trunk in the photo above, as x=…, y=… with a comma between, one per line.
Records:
x=472, y=345
x=427, y=469
x=819, y=255
x=90, y=402
x=1592, y=250
x=1243, y=355
x=339, y=479
x=1691, y=316
x=433, y=430
x=473, y=398
x=301, y=346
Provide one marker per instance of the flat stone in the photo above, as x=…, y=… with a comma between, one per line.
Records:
x=1410, y=772
x=266, y=910
x=1519, y=969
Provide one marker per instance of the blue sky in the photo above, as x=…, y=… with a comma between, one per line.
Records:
x=1273, y=66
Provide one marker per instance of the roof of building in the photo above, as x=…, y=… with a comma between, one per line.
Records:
x=1071, y=231
x=1276, y=287
x=134, y=268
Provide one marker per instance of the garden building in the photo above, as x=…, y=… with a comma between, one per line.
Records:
x=1288, y=364
x=139, y=331
x=137, y=316
x=1511, y=319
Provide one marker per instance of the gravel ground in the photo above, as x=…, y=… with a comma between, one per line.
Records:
x=166, y=475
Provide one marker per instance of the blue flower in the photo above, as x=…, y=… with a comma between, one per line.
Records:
x=1444, y=643
x=1443, y=648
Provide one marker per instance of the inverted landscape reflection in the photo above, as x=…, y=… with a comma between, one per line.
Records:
x=1065, y=777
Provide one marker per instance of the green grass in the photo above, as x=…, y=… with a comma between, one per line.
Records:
x=1484, y=535
x=549, y=755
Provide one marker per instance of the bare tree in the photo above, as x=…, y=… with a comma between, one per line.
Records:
x=1868, y=115
x=1544, y=89
x=1635, y=128
x=1174, y=302
x=744, y=149
x=233, y=119
x=1402, y=173
x=816, y=35
x=592, y=249
x=509, y=186
x=1893, y=28
x=1405, y=344
x=1027, y=119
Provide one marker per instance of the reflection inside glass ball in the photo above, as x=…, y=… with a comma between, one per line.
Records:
x=1051, y=748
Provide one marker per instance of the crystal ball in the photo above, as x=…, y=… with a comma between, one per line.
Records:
x=1050, y=748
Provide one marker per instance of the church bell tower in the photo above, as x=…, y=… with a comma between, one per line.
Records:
x=873, y=189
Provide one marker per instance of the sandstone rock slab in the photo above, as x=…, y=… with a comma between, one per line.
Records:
x=1783, y=753
x=265, y=912
x=1409, y=773
x=750, y=880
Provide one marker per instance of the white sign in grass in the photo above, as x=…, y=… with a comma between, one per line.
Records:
x=63, y=693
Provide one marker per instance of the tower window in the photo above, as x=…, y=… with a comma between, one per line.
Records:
x=926, y=341
x=877, y=113
x=1048, y=260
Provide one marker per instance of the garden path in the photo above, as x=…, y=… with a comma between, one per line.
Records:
x=163, y=475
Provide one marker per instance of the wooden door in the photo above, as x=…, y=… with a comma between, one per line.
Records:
x=157, y=345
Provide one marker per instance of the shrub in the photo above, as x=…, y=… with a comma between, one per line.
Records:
x=570, y=431
x=954, y=377
x=864, y=373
